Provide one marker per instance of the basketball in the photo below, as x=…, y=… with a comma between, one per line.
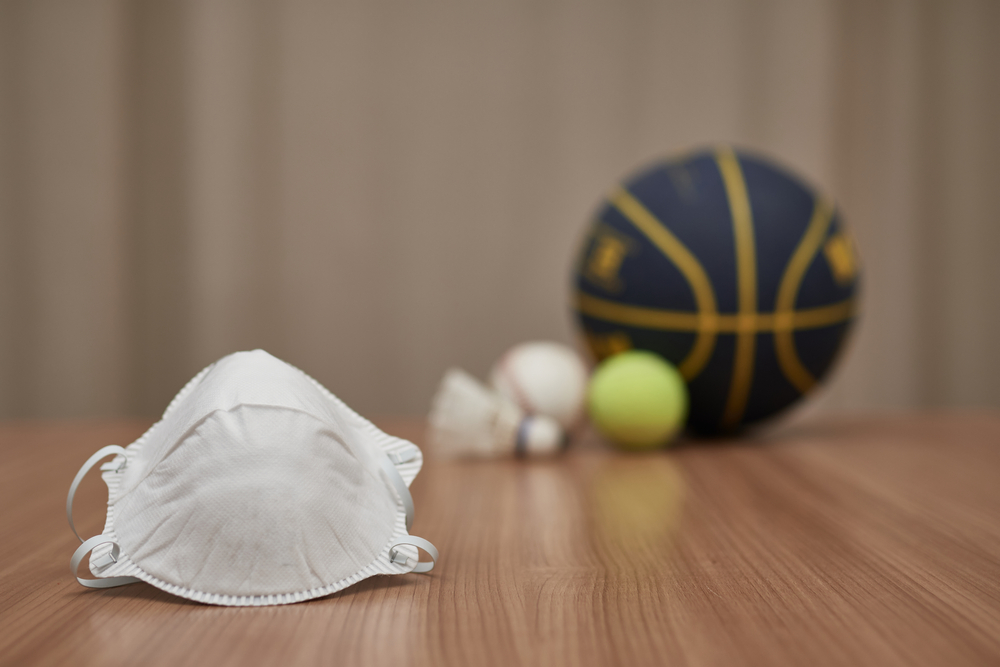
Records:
x=730, y=267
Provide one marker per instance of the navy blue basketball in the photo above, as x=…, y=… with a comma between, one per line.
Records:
x=731, y=268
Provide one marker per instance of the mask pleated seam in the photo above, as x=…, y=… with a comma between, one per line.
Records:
x=387, y=443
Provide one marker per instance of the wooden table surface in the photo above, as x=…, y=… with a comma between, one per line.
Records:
x=861, y=542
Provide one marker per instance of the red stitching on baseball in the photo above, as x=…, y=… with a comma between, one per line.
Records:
x=519, y=396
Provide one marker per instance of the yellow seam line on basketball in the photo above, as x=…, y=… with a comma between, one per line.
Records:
x=688, y=265
x=688, y=322
x=824, y=316
x=788, y=290
x=746, y=271
x=647, y=318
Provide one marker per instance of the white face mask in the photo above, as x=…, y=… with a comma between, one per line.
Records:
x=258, y=486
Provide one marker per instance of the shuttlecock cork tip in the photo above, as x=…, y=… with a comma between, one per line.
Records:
x=539, y=435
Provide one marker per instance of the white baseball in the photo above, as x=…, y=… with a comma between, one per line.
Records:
x=543, y=378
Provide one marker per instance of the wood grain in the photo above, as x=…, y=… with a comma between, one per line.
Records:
x=873, y=541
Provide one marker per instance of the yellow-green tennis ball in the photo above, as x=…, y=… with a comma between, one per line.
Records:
x=637, y=399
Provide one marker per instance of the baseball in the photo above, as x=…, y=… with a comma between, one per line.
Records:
x=543, y=378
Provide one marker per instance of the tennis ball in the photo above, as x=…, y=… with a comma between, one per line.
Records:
x=637, y=400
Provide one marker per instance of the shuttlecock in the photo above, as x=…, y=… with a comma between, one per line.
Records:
x=543, y=378
x=469, y=419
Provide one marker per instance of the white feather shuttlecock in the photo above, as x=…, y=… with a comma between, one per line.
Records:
x=468, y=419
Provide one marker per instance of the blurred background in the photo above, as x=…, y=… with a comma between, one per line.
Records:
x=376, y=190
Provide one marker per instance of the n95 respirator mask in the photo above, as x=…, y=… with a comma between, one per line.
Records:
x=258, y=486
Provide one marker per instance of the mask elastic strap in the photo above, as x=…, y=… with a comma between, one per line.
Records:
x=91, y=462
x=87, y=547
x=412, y=540
x=400, y=485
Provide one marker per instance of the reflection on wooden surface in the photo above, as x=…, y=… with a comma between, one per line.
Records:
x=863, y=542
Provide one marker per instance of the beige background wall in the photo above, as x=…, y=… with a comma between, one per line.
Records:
x=376, y=190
